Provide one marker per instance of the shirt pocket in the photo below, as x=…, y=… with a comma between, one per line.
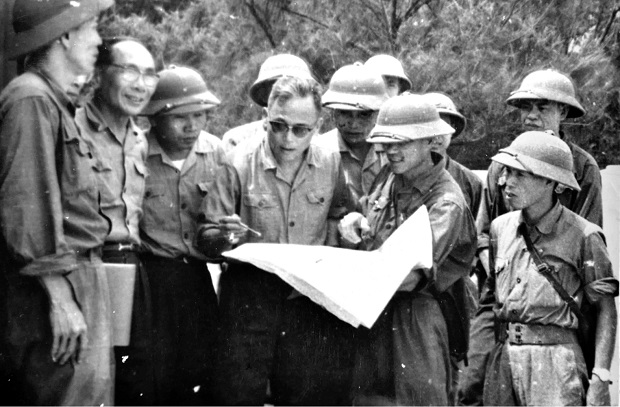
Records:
x=157, y=210
x=265, y=213
x=314, y=212
x=78, y=176
x=502, y=284
x=135, y=187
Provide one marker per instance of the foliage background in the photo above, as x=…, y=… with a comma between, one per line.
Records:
x=476, y=51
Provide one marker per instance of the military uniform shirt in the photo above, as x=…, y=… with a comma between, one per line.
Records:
x=173, y=197
x=359, y=175
x=576, y=250
x=121, y=180
x=253, y=188
x=49, y=208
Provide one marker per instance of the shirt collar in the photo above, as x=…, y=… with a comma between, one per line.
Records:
x=202, y=146
x=425, y=181
x=546, y=224
x=98, y=123
x=268, y=160
x=58, y=92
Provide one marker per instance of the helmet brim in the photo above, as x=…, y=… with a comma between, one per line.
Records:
x=386, y=134
x=536, y=167
x=575, y=110
x=185, y=105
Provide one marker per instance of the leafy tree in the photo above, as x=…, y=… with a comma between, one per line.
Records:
x=476, y=51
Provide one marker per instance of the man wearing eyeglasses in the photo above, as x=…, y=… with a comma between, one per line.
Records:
x=126, y=79
x=290, y=191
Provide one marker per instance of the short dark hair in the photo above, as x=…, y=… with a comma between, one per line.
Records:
x=287, y=87
x=105, y=57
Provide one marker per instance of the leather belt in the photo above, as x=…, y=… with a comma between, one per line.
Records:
x=526, y=334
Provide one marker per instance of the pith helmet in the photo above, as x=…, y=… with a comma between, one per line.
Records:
x=355, y=87
x=273, y=68
x=180, y=90
x=408, y=117
x=542, y=154
x=37, y=23
x=446, y=106
x=387, y=65
x=550, y=85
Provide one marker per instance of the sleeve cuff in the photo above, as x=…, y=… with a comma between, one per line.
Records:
x=52, y=264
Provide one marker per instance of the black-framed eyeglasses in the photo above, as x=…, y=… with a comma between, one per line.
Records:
x=130, y=73
x=299, y=130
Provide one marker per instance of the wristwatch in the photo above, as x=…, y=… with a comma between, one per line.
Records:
x=602, y=374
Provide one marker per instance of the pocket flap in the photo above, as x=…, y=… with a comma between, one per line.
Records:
x=260, y=200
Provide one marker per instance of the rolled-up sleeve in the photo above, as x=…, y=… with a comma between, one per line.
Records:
x=599, y=279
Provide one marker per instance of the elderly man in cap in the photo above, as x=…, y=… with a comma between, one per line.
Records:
x=273, y=68
x=404, y=358
x=183, y=163
x=126, y=78
x=396, y=80
x=544, y=99
x=354, y=96
x=56, y=316
x=284, y=190
x=546, y=261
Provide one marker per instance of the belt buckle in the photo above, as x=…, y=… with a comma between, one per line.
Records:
x=125, y=247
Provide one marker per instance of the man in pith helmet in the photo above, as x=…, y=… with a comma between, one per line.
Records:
x=536, y=346
x=470, y=183
x=545, y=99
x=183, y=163
x=404, y=358
x=273, y=68
x=354, y=97
x=396, y=80
x=126, y=78
x=56, y=315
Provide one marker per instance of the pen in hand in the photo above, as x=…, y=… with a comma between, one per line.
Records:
x=249, y=229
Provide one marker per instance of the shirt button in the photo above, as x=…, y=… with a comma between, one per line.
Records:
x=291, y=223
x=388, y=226
x=322, y=200
x=514, y=311
x=183, y=205
x=518, y=280
x=186, y=235
x=127, y=222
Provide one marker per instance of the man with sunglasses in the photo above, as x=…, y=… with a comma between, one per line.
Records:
x=355, y=94
x=289, y=191
x=273, y=68
x=55, y=314
x=125, y=79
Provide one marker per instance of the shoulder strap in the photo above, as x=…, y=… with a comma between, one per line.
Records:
x=547, y=272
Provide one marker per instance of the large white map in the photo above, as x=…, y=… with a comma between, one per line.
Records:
x=353, y=285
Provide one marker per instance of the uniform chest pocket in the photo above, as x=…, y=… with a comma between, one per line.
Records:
x=502, y=285
x=318, y=197
x=260, y=201
x=154, y=191
x=203, y=188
